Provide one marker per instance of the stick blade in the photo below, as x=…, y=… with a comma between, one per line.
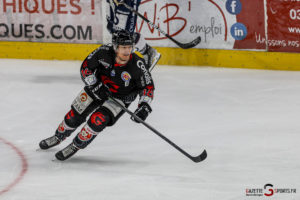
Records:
x=201, y=157
x=192, y=44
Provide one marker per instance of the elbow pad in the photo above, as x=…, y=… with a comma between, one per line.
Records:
x=90, y=80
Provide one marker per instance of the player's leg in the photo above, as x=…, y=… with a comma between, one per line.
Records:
x=81, y=107
x=104, y=116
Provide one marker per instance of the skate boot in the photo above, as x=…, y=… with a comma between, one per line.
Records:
x=67, y=152
x=49, y=142
x=151, y=57
x=63, y=131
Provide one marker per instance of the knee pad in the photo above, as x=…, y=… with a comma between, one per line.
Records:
x=73, y=119
x=98, y=120
x=112, y=110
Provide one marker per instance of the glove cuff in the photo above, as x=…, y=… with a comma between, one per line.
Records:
x=146, y=106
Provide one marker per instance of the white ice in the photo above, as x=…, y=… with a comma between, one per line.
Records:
x=247, y=120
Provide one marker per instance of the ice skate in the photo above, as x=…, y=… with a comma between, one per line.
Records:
x=49, y=142
x=67, y=152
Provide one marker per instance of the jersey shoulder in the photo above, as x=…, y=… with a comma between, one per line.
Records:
x=138, y=61
x=102, y=51
x=141, y=69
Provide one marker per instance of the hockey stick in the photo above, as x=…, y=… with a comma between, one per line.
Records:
x=182, y=45
x=196, y=159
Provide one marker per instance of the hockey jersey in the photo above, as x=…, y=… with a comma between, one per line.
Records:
x=123, y=81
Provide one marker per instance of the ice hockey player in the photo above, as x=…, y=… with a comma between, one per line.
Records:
x=120, y=18
x=109, y=71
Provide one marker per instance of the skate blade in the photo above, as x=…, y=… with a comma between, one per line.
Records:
x=54, y=159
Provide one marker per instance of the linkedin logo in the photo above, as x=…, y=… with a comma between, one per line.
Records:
x=238, y=31
x=233, y=6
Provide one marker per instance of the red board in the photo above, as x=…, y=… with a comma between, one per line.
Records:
x=283, y=25
x=252, y=16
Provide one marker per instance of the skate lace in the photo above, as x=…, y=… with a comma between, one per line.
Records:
x=69, y=150
x=52, y=140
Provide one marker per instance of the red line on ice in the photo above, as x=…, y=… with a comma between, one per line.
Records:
x=24, y=167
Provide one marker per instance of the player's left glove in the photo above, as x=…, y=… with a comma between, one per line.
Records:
x=142, y=112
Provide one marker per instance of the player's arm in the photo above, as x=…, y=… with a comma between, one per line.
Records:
x=89, y=68
x=89, y=71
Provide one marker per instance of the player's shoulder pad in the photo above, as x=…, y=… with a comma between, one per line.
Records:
x=140, y=64
x=104, y=49
x=138, y=58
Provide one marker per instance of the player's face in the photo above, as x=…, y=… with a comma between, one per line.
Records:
x=123, y=53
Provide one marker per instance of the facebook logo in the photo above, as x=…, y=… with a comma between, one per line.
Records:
x=233, y=6
x=238, y=31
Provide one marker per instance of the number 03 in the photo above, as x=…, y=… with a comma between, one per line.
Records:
x=295, y=14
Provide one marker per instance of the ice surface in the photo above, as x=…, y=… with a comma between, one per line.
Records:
x=247, y=120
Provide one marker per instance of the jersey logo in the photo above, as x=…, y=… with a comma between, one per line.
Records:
x=141, y=65
x=113, y=87
x=61, y=127
x=113, y=73
x=83, y=97
x=86, y=133
x=126, y=78
x=81, y=102
x=86, y=72
x=98, y=118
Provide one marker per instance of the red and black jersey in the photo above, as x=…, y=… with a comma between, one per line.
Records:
x=122, y=80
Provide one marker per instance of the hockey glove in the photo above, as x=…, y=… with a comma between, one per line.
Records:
x=99, y=91
x=142, y=112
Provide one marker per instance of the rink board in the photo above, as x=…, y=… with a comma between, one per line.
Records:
x=170, y=56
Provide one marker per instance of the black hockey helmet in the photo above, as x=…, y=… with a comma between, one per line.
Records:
x=122, y=37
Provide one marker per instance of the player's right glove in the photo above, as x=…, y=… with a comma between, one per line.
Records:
x=142, y=112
